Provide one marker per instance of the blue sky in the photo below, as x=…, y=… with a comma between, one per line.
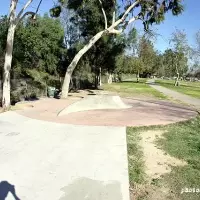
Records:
x=188, y=21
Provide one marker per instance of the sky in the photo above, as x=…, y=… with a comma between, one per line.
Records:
x=189, y=21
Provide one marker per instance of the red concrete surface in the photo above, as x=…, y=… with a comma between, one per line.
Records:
x=142, y=113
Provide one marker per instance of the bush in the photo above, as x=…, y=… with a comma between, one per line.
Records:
x=15, y=97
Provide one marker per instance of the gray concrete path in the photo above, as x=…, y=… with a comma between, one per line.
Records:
x=52, y=161
x=179, y=96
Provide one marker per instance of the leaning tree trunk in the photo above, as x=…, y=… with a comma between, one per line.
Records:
x=7, y=64
x=71, y=67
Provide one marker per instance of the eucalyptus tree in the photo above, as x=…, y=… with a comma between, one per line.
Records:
x=147, y=11
x=14, y=19
x=181, y=53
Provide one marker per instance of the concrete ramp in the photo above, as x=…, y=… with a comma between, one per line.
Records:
x=95, y=102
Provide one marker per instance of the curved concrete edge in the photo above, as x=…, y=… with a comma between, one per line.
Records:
x=99, y=102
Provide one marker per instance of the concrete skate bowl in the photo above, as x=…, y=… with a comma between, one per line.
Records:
x=98, y=102
x=107, y=110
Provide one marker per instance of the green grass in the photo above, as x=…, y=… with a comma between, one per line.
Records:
x=180, y=140
x=133, y=89
x=188, y=88
x=135, y=157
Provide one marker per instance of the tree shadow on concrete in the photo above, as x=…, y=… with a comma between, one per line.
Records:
x=88, y=189
x=5, y=188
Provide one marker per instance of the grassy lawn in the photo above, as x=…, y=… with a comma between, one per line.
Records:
x=134, y=89
x=136, y=163
x=180, y=140
x=189, y=88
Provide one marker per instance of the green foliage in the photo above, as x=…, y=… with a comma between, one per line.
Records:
x=3, y=35
x=146, y=52
x=153, y=11
x=182, y=140
x=86, y=20
x=39, y=49
x=170, y=61
x=55, y=12
x=135, y=157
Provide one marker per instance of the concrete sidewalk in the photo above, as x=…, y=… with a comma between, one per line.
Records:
x=46, y=160
x=176, y=95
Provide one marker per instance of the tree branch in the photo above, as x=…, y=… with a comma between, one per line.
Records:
x=28, y=13
x=132, y=19
x=129, y=10
x=114, y=31
x=104, y=14
x=24, y=15
x=24, y=8
x=119, y=21
x=113, y=20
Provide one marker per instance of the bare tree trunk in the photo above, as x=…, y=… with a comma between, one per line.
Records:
x=71, y=67
x=177, y=79
x=8, y=57
x=13, y=21
x=7, y=67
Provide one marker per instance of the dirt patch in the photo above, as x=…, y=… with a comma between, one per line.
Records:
x=157, y=161
x=150, y=192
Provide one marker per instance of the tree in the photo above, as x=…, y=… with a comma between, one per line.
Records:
x=149, y=12
x=86, y=21
x=195, y=54
x=181, y=53
x=39, y=49
x=197, y=38
x=147, y=55
x=14, y=20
